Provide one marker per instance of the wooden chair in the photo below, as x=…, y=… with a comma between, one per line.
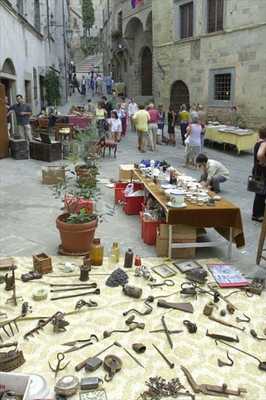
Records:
x=64, y=131
x=107, y=144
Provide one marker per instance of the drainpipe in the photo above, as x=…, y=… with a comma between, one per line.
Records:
x=65, y=53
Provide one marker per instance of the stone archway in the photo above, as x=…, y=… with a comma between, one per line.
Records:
x=179, y=95
x=146, y=72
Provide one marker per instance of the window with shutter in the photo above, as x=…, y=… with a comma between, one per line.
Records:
x=186, y=20
x=215, y=15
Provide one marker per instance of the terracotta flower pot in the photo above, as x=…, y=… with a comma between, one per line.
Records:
x=74, y=205
x=76, y=238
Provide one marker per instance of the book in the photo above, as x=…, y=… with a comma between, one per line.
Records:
x=227, y=276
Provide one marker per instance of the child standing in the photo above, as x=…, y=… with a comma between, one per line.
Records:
x=115, y=126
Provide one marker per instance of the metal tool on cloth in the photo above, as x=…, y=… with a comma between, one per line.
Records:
x=83, y=343
x=217, y=336
x=193, y=289
x=226, y=323
x=60, y=357
x=211, y=390
x=96, y=291
x=186, y=307
x=83, y=363
x=167, y=332
x=255, y=335
x=82, y=303
x=112, y=364
x=166, y=282
x=191, y=326
x=222, y=363
x=262, y=364
x=169, y=363
x=130, y=355
x=245, y=319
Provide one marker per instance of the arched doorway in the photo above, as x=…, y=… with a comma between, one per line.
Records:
x=179, y=95
x=8, y=78
x=146, y=72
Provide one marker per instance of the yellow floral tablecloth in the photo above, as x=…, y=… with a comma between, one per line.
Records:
x=242, y=142
x=195, y=351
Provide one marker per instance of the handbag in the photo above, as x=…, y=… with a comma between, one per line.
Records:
x=256, y=183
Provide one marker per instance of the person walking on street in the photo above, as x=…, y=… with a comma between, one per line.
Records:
x=193, y=141
x=122, y=114
x=23, y=112
x=161, y=124
x=132, y=109
x=115, y=126
x=109, y=84
x=141, y=120
x=213, y=172
x=100, y=115
x=203, y=121
x=171, y=120
x=153, y=125
x=259, y=170
x=83, y=86
x=75, y=83
x=184, y=118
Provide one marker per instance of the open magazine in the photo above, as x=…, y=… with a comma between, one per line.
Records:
x=227, y=275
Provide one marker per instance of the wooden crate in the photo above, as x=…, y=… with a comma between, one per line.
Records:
x=42, y=263
x=46, y=152
x=181, y=234
x=19, y=149
x=52, y=175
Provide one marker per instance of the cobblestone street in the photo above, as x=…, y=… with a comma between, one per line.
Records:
x=28, y=209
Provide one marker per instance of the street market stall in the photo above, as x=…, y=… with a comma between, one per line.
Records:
x=242, y=139
x=90, y=324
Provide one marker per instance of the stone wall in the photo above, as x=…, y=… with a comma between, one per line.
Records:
x=241, y=46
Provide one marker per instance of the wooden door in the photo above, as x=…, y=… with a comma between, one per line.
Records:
x=4, y=141
x=179, y=95
x=146, y=72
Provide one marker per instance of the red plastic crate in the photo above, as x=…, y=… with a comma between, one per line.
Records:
x=149, y=231
x=133, y=205
x=120, y=188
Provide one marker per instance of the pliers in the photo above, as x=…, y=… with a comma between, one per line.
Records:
x=74, y=343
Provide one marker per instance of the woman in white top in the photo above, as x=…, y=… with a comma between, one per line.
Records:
x=193, y=141
x=115, y=126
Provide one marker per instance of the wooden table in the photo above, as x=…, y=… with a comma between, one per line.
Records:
x=223, y=216
x=243, y=141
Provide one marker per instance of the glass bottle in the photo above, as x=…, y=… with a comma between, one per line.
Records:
x=116, y=252
x=96, y=252
x=128, y=262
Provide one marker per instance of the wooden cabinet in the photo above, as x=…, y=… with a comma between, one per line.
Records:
x=4, y=141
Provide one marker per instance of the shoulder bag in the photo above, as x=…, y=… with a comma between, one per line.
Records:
x=256, y=183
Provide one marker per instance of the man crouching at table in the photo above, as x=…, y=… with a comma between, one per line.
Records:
x=213, y=173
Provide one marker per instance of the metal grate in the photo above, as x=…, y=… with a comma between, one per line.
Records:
x=222, y=87
x=215, y=15
x=186, y=20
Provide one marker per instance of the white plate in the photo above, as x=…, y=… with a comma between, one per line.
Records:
x=167, y=186
x=38, y=387
x=170, y=204
x=175, y=192
x=216, y=198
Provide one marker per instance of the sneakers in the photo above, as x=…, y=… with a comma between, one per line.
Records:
x=257, y=219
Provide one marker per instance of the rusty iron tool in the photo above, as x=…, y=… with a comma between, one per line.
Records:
x=222, y=363
x=83, y=363
x=96, y=291
x=86, y=342
x=130, y=355
x=255, y=335
x=41, y=324
x=193, y=289
x=217, y=336
x=146, y=312
x=186, y=307
x=167, y=333
x=82, y=303
x=9, y=324
x=166, y=282
x=131, y=328
x=93, y=286
x=73, y=284
x=224, y=298
x=219, y=321
x=245, y=319
x=262, y=364
x=60, y=357
x=169, y=363
x=211, y=390
x=162, y=331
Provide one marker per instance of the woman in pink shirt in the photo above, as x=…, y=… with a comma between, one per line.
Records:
x=153, y=125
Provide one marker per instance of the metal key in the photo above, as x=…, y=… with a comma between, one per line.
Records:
x=166, y=282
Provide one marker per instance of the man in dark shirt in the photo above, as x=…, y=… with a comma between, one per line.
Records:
x=23, y=112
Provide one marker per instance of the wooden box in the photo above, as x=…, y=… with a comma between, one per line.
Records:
x=52, y=175
x=126, y=172
x=42, y=263
x=46, y=152
x=181, y=234
x=19, y=149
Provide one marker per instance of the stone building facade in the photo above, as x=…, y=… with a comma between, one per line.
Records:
x=33, y=39
x=211, y=52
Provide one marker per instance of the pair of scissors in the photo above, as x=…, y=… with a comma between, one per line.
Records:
x=74, y=343
x=166, y=282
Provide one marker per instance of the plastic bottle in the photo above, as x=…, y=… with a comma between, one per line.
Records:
x=96, y=252
x=128, y=262
x=137, y=261
x=116, y=252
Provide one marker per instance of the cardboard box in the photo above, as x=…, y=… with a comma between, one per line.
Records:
x=52, y=175
x=181, y=234
x=17, y=383
x=126, y=172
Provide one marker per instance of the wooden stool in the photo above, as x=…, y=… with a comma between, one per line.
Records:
x=107, y=143
x=261, y=241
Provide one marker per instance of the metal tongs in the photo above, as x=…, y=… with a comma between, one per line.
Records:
x=74, y=343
